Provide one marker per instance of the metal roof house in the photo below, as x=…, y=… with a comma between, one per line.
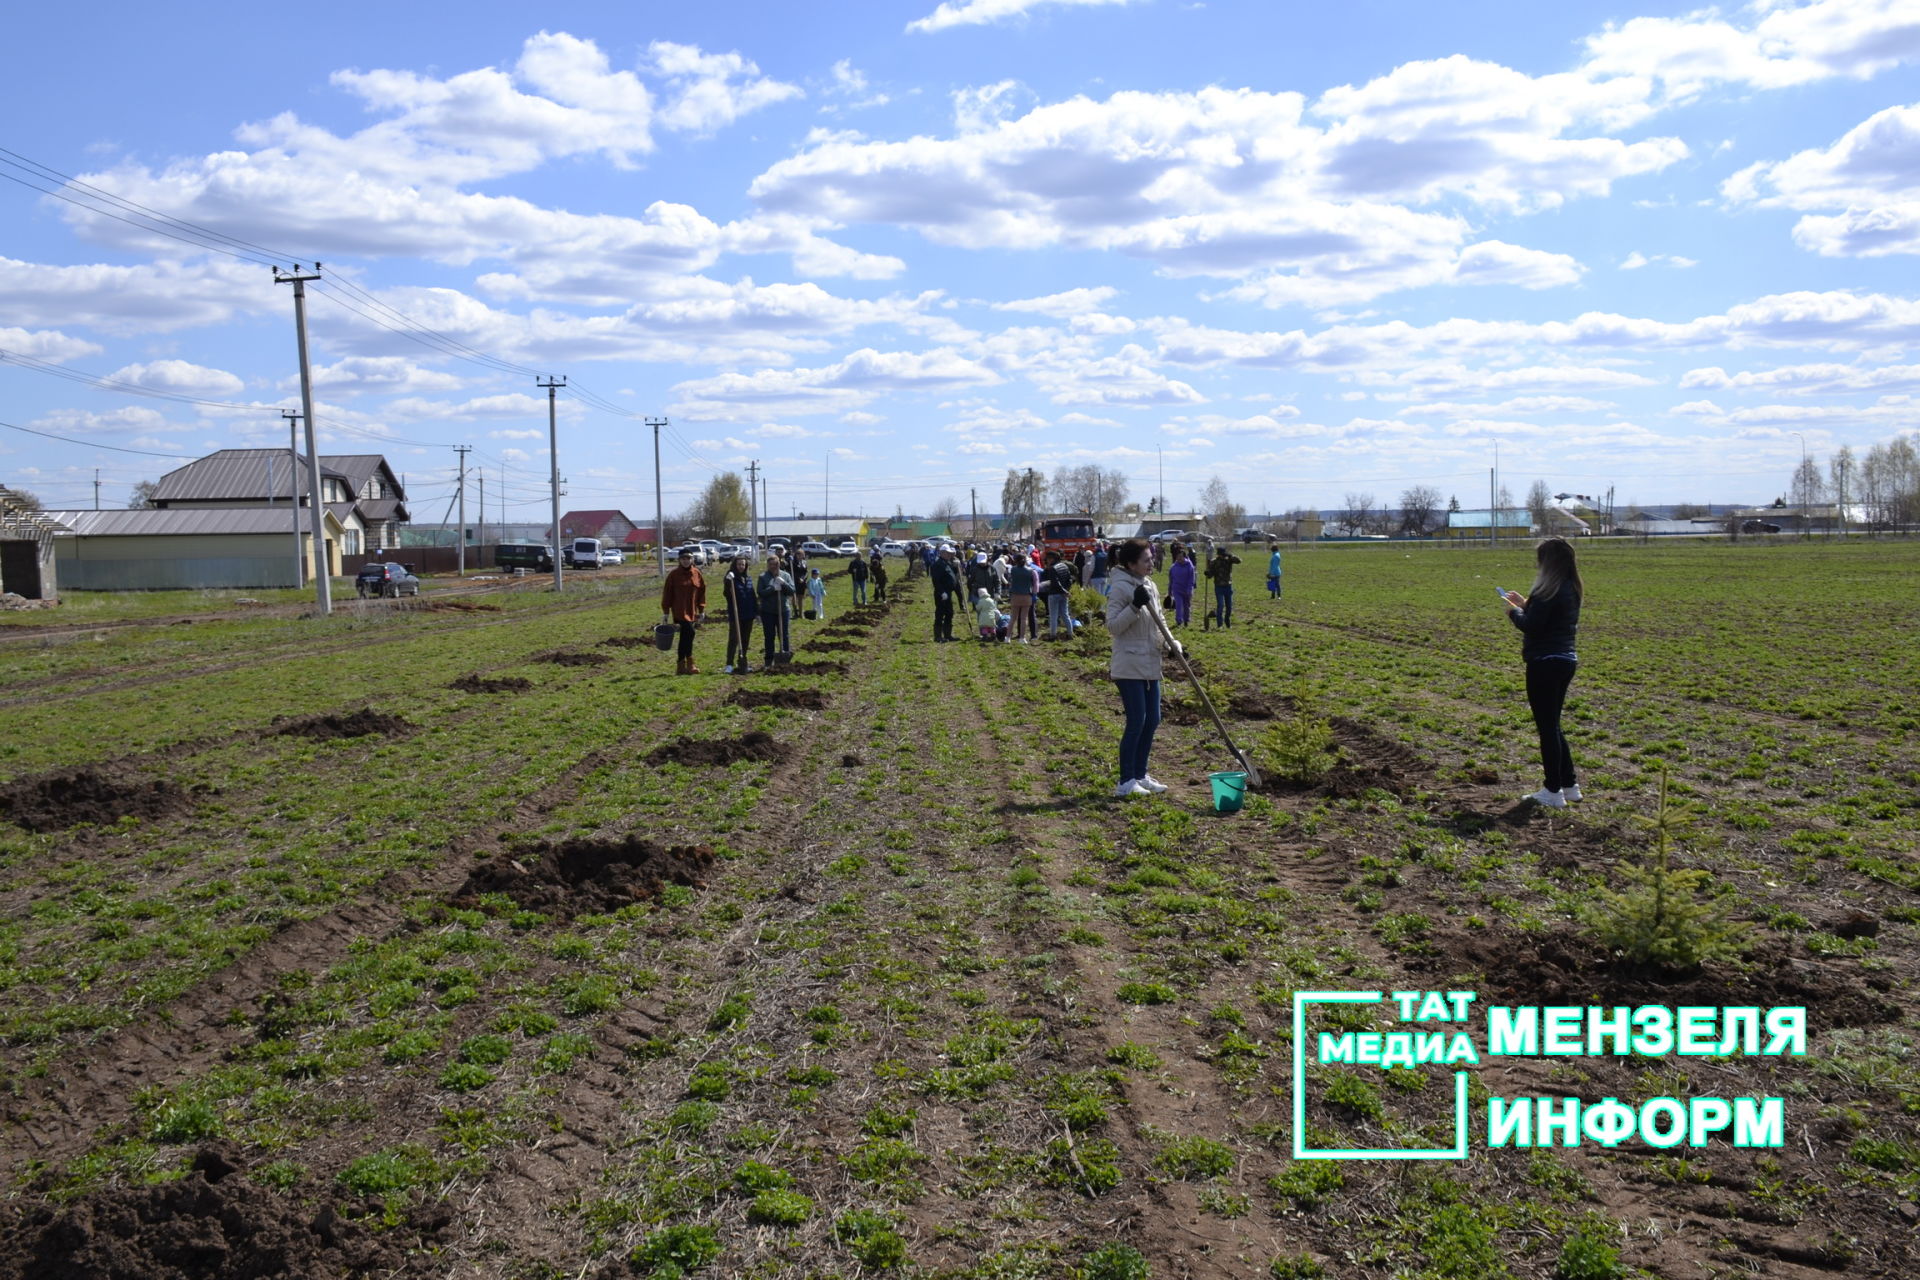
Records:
x=1511, y=522
x=359, y=489
x=155, y=549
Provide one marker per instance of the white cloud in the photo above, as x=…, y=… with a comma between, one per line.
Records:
x=1062, y=306
x=777, y=431
x=1808, y=379
x=1870, y=176
x=850, y=84
x=138, y=300
x=836, y=388
x=382, y=375
x=1122, y=380
x=1239, y=183
x=180, y=378
x=964, y=13
x=712, y=89
x=114, y=422
x=507, y=405
x=1782, y=43
x=1636, y=260
x=44, y=344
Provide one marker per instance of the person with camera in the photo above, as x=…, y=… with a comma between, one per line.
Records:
x=1549, y=619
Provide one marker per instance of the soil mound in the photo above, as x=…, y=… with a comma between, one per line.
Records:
x=572, y=658
x=363, y=723
x=803, y=669
x=207, y=1226
x=581, y=877
x=829, y=646
x=1369, y=748
x=482, y=684
x=800, y=699
x=460, y=606
x=1564, y=969
x=53, y=802
x=847, y=631
x=627, y=642
x=719, y=752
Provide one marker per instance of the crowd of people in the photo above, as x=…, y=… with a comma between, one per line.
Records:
x=1000, y=587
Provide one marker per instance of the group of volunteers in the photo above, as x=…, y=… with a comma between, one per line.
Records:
x=1123, y=573
x=1547, y=616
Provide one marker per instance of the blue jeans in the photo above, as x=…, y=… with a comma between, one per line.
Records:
x=1223, y=605
x=1057, y=614
x=1141, y=698
x=859, y=590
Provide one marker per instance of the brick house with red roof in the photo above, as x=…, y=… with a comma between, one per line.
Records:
x=611, y=527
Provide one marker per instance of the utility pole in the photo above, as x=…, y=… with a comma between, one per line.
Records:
x=322, y=581
x=659, y=506
x=1027, y=500
x=826, y=487
x=1492, y=524
x=293, y=491
x=553, y=452
x=96, y=488
x=1161, y=453
x=480, y=474
x=973, y=501
x=753, y=505
x=460, y=534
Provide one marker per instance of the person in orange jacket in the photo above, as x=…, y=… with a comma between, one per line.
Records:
x=683, y=599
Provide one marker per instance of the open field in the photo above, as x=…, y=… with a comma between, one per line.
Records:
x=463, y=939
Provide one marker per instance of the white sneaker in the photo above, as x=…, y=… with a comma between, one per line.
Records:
x=1152, y=783
x=1546, y=799
x=1571, y=792
x=1131, y=787
x=727, y=670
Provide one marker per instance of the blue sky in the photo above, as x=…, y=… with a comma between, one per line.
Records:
x=898, y=248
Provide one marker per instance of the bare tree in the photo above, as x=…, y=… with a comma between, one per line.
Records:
x=1098, y=491
x=1808, y=485
x=142, y=494
x=1022, y=496
x=1841, y=473
x=722, y=507
x=1221, y=512
x=25, y=500
x=945, y=509
x=1356, y=512
x=1540, y=506
x=1418, y=507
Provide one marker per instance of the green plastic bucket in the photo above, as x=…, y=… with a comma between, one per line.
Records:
x=1229, y=790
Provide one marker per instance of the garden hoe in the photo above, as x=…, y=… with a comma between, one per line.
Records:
x=1246, y=761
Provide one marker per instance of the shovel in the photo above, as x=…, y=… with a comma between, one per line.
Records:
x=1246, y=761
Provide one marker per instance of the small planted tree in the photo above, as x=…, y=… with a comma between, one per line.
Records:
x=1300, y=747
x=1661, y=918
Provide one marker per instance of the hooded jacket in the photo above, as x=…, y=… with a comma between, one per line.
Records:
x=1137, y=643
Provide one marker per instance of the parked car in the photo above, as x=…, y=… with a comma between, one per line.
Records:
x=1171, y=535
x=812, y=548
x=1250, y=535
x=893, y=548
x=384, y=578
x=523, y=555
x=1759, y=526
x=694, y=549
x=849, y=548
x=717, y=550
x=612, y=555
x=583, y=553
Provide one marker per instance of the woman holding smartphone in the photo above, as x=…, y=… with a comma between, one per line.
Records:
x=1549, y=619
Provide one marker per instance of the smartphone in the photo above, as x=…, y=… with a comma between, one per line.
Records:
x=1501, y=592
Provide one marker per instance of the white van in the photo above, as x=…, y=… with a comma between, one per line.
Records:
x=583, y=553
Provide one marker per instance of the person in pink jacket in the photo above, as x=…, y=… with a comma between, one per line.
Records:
x=1180, y=582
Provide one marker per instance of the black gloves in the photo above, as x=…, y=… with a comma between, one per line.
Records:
x=1140, y=597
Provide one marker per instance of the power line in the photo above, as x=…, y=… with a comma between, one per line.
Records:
x=94, y=444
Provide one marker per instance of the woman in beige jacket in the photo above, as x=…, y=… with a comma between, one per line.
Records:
x=1136, y=627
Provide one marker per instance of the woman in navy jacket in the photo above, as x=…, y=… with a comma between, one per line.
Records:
x=1549, y=619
